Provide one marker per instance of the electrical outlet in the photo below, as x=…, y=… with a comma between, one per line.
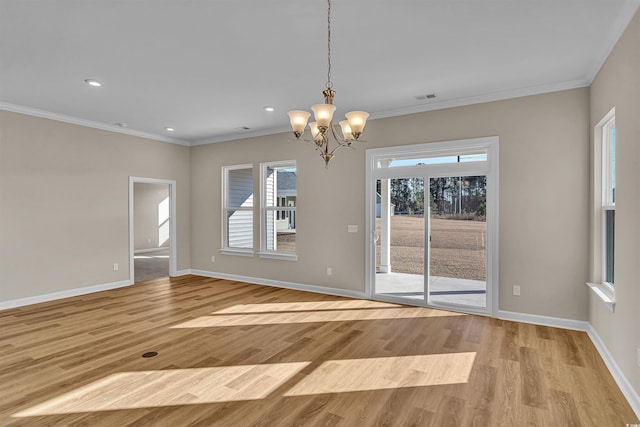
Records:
x=115, y=267
x=516, y=290
x=213, y=258
x=352, y=228
x=329, y=271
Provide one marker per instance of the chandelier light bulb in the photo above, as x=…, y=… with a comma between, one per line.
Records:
x=315, y=132
x=346, y=130
x=323, y=114
x=357, y=120
x=298, y=120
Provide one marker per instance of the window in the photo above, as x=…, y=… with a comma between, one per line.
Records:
x=608, y=180
x=436, y=158
x=604, y=210
x=238, y=209
x=279, y=216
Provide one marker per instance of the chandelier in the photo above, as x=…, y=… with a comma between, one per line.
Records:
x=323, y=128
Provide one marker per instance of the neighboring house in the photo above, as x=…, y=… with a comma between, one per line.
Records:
x=240, y=222
x=241, y=194
x=378, y=201
x=286, y=182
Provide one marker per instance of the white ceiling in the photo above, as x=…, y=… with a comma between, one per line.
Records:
x=209, y=67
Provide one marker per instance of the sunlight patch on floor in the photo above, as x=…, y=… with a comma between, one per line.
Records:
x=350, y=375
x=150, y=256
x=144, y=389
x=304, y=306
x=311, y=317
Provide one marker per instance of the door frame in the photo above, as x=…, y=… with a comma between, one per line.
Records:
x=488, y=168
x=172, y=222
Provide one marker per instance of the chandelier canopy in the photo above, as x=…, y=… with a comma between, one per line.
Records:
x=322, y=128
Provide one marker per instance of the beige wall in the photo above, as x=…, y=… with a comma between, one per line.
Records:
x=146, y=199
x=618, y=85
x=64, y=203
x=544, y=188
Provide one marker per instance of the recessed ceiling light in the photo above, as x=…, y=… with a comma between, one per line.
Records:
x=241, y=128
x=169, y=129
x=93, y=83
x=269, y=108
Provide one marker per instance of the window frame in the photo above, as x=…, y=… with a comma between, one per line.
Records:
x=608, y=195
x=603, y=202
x=264, y=208
x=225, y=248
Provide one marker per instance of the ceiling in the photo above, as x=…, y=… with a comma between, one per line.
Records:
x=208, y=68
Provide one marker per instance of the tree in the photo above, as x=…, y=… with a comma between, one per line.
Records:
x=417, y=190
x=401, y=194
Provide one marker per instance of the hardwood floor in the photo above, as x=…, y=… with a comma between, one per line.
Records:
x=235, y=354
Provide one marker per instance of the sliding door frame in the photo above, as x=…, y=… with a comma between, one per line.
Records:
x=472, y=168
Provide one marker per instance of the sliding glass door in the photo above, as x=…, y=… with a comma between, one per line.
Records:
x=432, y=215
x=400, y=242
x=457, y=245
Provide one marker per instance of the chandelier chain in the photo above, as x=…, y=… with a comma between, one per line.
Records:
x=329, y=82
x=323, y=129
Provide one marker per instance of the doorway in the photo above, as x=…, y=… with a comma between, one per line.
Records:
x=151, y=229
x=432, y=212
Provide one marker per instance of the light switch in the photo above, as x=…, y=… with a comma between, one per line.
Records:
x=352, y=228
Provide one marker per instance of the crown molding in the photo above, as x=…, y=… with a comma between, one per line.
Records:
x=625, y=16
x=241, y=135
x=433, y=106
x=422, y=108
x=480, y=99
x=87, y=123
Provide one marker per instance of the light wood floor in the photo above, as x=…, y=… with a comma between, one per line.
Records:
x=234, y=354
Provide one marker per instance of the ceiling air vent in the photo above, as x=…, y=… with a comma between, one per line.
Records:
x=424, y=97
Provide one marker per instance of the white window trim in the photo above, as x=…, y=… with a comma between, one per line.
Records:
x=238, y=252
x=606, y=293
x=287, y=256
x=264, y=252
x=602, y=202
x=224, y=249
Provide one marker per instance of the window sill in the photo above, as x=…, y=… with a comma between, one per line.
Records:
x=237, y=252
x=606, y=293
x=287, y=256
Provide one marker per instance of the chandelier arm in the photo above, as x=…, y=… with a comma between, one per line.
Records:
x=323, y=145
x=337, y=137
x=311, y=142
x=339, y=146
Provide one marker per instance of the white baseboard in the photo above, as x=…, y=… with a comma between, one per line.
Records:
x=182, y=272
x=556, y=322
x=625, y=386
x=5, y=305
x=280, y=284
